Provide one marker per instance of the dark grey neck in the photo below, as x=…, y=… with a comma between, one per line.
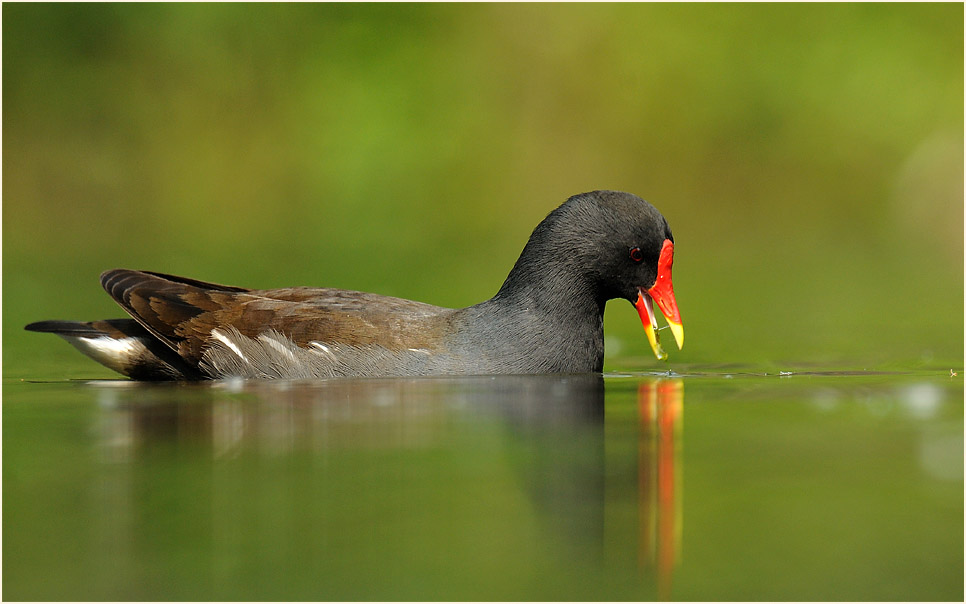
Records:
x=552, y=280
x=547, y=316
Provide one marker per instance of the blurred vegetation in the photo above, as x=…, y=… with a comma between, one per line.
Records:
x=808, y=157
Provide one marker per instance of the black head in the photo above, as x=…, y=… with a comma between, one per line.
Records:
x=595, y=247
x=613, y=239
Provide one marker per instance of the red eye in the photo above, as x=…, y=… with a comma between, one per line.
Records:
x=636, y=254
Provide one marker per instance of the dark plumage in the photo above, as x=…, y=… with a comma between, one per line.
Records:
x=547, y=317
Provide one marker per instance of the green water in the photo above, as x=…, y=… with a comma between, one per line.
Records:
x=712, y=483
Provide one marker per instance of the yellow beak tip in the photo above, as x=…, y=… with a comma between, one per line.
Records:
x=678, y=330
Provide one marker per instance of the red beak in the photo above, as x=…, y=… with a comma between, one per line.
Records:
x=662, y=292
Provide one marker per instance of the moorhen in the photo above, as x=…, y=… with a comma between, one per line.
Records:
x=546, y=318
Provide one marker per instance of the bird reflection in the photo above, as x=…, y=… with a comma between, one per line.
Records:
x=277, y=416
x=549, y=431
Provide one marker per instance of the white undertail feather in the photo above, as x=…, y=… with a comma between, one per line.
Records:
x=115, y=353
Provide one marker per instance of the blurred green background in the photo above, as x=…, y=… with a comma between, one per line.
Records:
x=809, y=159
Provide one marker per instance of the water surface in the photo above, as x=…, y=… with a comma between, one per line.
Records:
x=715, y=483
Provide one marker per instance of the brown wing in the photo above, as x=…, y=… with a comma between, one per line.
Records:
x=183, y=312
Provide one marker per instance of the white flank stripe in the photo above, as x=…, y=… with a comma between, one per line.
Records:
x=224, y=340
x=324, y=349
x=278, y=346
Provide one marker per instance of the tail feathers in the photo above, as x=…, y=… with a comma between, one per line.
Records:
x=69, y=328
x=122, y=345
